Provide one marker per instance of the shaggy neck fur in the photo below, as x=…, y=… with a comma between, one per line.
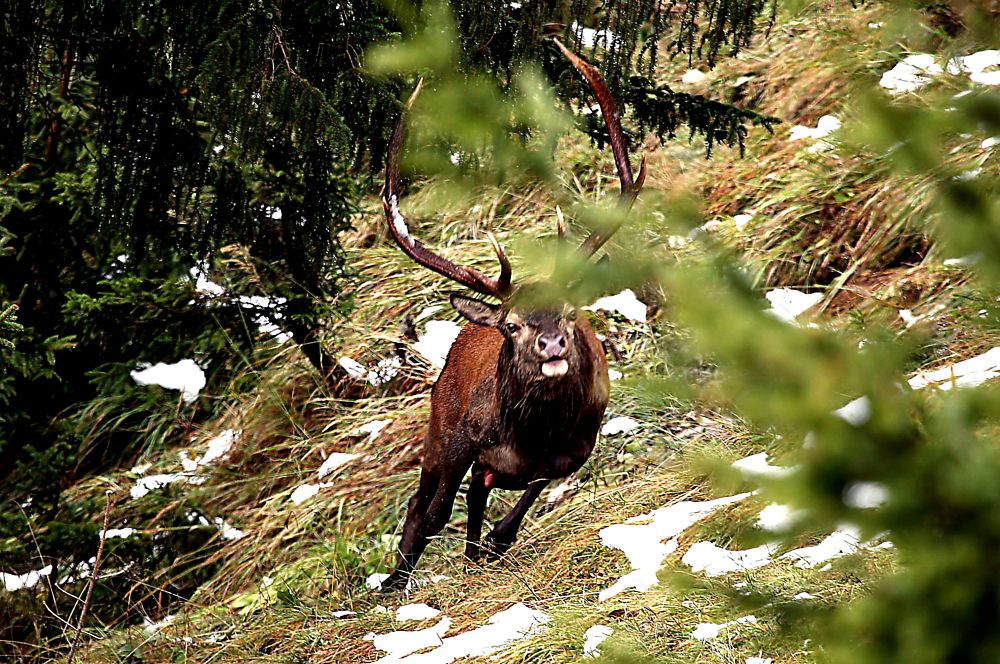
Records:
x=539, y=413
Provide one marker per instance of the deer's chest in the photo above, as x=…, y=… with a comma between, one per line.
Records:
x=528, y=459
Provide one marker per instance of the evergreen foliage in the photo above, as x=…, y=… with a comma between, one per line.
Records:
x=166, y=132
x=140, y=140
x=661, y=110
x=8, y=325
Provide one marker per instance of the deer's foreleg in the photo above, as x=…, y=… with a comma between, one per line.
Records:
x=479, y=490
x=504, y=534
x=428, y=512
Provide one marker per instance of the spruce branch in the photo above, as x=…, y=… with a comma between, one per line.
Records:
x=662, y=111
x=659, y=109
x=9, y=325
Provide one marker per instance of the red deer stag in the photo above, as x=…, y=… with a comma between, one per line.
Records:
x=525, y=385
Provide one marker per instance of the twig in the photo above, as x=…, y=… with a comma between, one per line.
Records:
x=56, y=125
x=276, y=31
x=93, y=577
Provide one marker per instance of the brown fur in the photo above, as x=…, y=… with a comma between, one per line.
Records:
x=524, y=389
x=494, y=411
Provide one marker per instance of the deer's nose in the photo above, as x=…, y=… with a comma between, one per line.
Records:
x=551, y=345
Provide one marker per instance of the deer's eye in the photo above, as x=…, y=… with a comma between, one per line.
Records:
x=511, y=328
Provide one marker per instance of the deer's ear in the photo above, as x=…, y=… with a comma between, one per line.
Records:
x=477, y=311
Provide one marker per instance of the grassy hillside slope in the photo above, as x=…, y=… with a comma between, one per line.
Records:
x=833, y=220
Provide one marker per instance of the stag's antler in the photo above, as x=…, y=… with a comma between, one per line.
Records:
x=630, y=185
x=499, y=287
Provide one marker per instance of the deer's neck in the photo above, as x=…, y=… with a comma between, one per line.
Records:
x=537, y=413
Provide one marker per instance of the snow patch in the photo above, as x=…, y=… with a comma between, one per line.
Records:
x=211, y=290
x=373, y=428
x=436, y=341
x=787, y=303
x=715, y=561
x=505, y=627
x=385, y=370
x=560, y=490
x=776, y=518
x=146, y=484
x=968, y=373
x=590, y=37
x=855, y=413
x=219, y=447
x=14, y=582
x=865, y=495
x=825, y=126
x=78, y=572
x=742, y=220
x=333, y=462
x=963, y=261
x=354, y=369
x=593, y=638
x=709, y=226
x=982, y=67
x=202, y=284
x=151, y=627
x=402, y=643
x=184, y=375
x=911, y=319
x=374, y=581
x=306, y=491
x=116, y=533
x=756, y=466
x=969, y=175
x=705, y=631
x=842, y=541
x=416, y=612
x=642, y=537
x=624, y=303
x=914, y=72
x=694, y=77
x=618, y=425
x=228, y=532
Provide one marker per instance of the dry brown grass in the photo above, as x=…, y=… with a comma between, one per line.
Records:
x=836, y=220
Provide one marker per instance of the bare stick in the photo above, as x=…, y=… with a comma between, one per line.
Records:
x=93, y=578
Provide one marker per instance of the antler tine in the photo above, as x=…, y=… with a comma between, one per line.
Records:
x=503, y=281
x=471, y=278
x=630, y=186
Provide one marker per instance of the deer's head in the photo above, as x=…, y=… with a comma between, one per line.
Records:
x=539, y=331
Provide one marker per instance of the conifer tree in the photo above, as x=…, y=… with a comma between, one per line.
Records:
x=139, y=140
x=164, y=132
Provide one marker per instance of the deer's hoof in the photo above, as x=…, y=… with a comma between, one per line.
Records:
x=395, y=583
x=493, y=549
